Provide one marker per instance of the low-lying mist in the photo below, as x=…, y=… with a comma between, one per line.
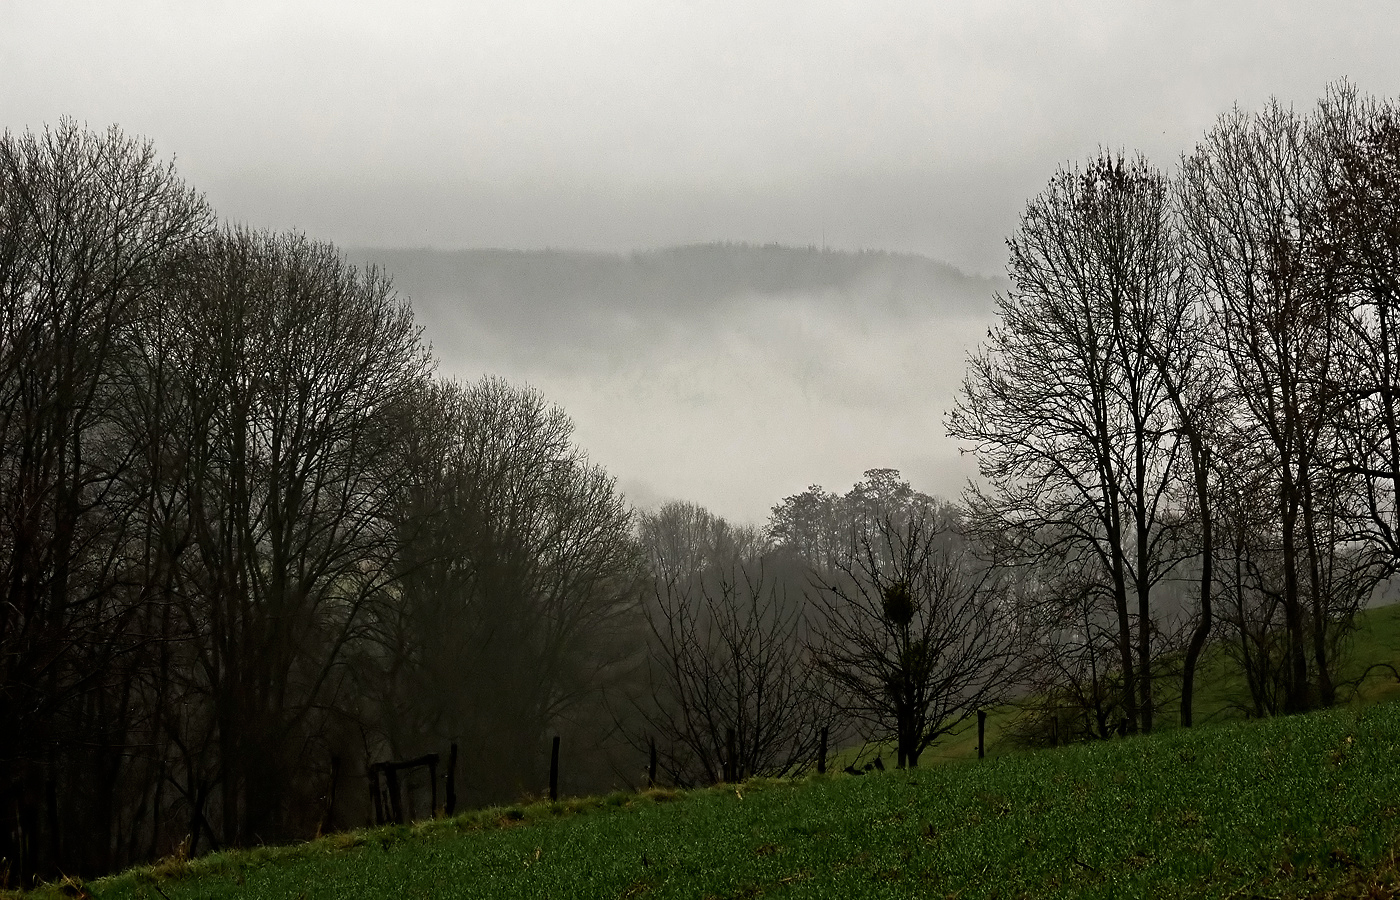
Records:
x=729, y=375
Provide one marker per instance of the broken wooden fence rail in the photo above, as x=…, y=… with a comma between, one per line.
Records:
x=393, y=809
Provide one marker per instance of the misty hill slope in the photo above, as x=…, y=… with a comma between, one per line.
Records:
x=495, y=306
x=1296, y=806
x=686, y=280
x=715, y=372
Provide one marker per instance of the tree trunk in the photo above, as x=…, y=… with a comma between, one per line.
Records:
x=1297, y=694
x=1201, y=458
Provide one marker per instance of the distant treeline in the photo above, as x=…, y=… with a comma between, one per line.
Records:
x=690, y=280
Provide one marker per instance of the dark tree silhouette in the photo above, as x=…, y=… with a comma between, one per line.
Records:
x=87, y=225
x=915, y=633
x=1065, y=404
x=295, y=373
x=822, y=528
x=520, y=581
x=1248, y=196
x=727, y=652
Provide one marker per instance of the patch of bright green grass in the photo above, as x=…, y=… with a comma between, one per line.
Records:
x=1369, y=672
x=1373, y=659
x=1280, y=807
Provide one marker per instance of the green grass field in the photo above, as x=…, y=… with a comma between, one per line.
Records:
x=1289, y=807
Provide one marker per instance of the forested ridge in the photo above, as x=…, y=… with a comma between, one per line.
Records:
x=676, y=279
x=252, y=542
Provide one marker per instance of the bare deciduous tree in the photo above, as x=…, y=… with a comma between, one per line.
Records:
x=727, y=652
x=87, y=223
x=295, y=370
x=1358, y=230
x=916, y=633
x=1065, y=404
x=1248, y=196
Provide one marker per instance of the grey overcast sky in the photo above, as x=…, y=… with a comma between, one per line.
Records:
x=612, y=125
x=909, y=125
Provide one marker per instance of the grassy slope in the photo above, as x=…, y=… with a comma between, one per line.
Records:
x=1264, y=807
x=1376, y=639
x=1282, y=807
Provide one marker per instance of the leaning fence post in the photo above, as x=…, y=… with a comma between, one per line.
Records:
x=821, y=753
x=554, y=769
x=391, y=775
x=981, y=733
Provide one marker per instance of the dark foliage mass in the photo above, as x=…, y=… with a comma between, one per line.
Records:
x=249, y=542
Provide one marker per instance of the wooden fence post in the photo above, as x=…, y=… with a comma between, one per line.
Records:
x=554, y=769
x=328, y=817
x=376, y=794
x=821, y=753
x=432, y=780
x=451, y=779
x=651, y=763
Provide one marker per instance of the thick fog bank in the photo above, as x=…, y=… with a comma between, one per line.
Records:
x=731, y=375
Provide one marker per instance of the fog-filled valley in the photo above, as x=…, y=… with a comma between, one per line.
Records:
x=724, y=374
